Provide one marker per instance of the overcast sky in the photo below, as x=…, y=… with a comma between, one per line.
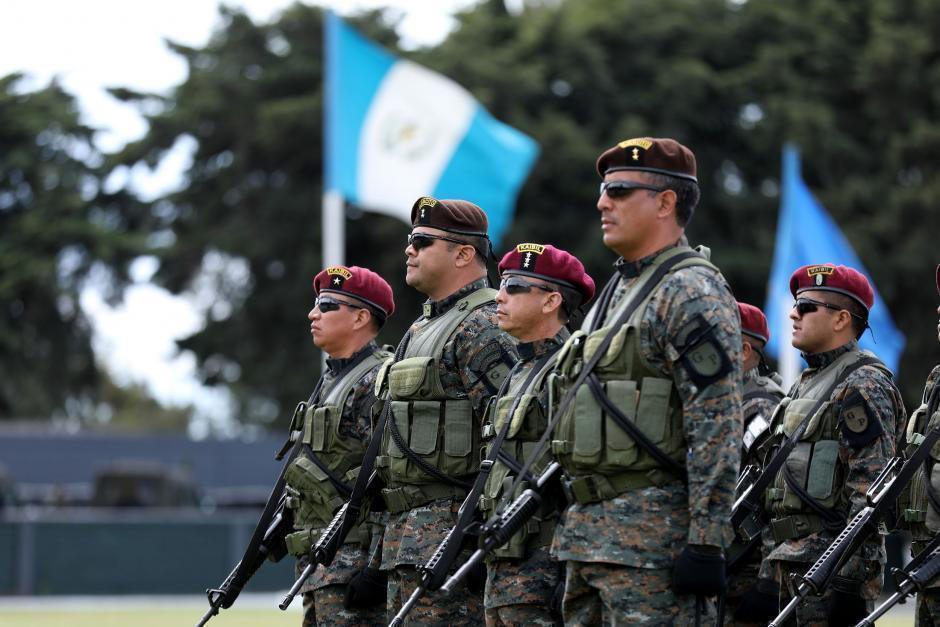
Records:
x=93, y=44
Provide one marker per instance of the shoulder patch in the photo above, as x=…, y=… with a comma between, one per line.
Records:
x=703, y=357
x=859, y=424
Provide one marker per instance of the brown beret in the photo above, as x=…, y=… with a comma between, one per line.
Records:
x=455, y=216
x=649, y=154
x=360, y=283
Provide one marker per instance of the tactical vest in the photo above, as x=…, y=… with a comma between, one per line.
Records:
x=914, y=505
x=314, y=495
x=814, y=462
x=600, y=459
x=756, y=425
x=436, y=424
x=527, y=425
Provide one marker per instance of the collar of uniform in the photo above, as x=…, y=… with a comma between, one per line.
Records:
x=434, y=309
x=750, y=375
x=632, y=269
x=534, y=350
x=821, y=360
x=336, y=366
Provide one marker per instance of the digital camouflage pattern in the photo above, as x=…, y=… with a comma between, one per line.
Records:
x=648, y=528
x=746, y=574
x=476, y=359
x=324, y=607
x=531, y=581
x=861, y=464
x=608, y=594
x=813, y=611
x=460, y=607
x=356, y=423
x=927, y=613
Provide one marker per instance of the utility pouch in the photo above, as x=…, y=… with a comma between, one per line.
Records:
x=413, y=378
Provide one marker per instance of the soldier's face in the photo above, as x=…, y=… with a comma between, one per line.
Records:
x=812, y=331
x=330, y=329
x=630, y=220
x=520, y=311
x=426, y=267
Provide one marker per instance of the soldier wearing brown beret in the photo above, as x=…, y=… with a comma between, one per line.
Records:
x=648, y=515
x=455, y=361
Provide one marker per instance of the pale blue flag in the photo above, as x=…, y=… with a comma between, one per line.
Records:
x=806, y=234
x=396, y=131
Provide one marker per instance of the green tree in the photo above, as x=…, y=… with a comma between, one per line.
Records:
x=57, y=225
x=734, y=80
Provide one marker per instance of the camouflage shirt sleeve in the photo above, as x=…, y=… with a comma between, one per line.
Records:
x=478, y=358
x=694, y=307
x=356, y=421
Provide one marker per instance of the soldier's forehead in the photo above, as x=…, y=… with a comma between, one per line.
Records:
x=430, y=230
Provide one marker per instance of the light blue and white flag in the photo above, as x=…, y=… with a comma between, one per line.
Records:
x=806, y=234
x=396, y=131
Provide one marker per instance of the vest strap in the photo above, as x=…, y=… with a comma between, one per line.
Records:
x=408, y=497
x=594, y=488
x=796, y=526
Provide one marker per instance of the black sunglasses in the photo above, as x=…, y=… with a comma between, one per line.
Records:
x=515, y=285
x=326, y=304
x=804, y=306
x=619, y=189
x=423, y=240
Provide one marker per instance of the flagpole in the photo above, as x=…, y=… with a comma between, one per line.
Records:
x=333, y=228
x=333, y=215
x=788, y=363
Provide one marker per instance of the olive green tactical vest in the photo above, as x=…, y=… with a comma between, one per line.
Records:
x=814, y=461
x=601, y=458
x=313, y=496
x=913, y=504
x=758, y=426
x=528, y=423
x=437, y=424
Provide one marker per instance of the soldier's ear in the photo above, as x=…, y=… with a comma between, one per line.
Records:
x=667, y=203
x=552, y=303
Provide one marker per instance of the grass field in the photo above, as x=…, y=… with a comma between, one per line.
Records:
x=176, y=612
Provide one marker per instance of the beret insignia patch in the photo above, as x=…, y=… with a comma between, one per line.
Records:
x=642, y=143
x=534, y=248
x=338, y=276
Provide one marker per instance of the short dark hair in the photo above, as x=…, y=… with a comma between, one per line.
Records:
x=687, y=194
x=858, y=311
x=570, y=301
x=479, y=244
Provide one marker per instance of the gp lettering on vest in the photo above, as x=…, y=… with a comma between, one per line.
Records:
x=439, y=427
x=589, y=442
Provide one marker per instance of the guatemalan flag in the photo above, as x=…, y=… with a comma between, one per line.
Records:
x=396, y=131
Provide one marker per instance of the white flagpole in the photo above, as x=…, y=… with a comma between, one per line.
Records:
x=334, y=229
x=789, y=361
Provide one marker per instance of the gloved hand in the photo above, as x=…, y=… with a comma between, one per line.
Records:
x=700, y=569
x=366, y=589
x=846, y=608
x=760, y=602
x=476, y=578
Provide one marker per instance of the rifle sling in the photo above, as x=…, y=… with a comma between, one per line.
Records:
x=469, y=508
x=933, y=497
x=588, y=367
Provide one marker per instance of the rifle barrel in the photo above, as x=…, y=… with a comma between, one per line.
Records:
x=212, y=611
x=790, y=608
x=454, y=579
x=869, y=621
x=399, y=619
x=294, y=589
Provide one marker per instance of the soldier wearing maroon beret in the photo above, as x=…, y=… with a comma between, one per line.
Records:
x=352, y=304
x=541, y=287
x=455, y=360
x=846, y=445
x=919, y=514
x=650, y=513
x=751, y=598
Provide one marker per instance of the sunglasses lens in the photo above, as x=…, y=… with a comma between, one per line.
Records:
x=419, y=241
x=326, y=306
x=803, y=307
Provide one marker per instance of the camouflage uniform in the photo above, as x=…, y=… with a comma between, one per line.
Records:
x=621, y=548
x=475, y=360
x=325, y=590
x=521, y=577
x=761, y=395
x=920, y=518
x=862, y=423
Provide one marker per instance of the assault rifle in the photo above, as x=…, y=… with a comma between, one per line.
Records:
x=914, y=577
x=267, y=542
x=499, y=529
x=881, y=497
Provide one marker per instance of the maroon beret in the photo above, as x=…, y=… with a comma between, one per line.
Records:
x=456, y=216
x=753, y=322
x=360, y=283
x=649, y=154
x=831, y=278
x=544, y=261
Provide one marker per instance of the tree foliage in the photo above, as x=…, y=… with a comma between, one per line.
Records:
x=850, y=83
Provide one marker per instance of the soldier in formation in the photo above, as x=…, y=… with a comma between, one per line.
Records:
x=334, y=428
x=853, y=412
x=455, y=360
x=652, y=445
x=542, y=287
